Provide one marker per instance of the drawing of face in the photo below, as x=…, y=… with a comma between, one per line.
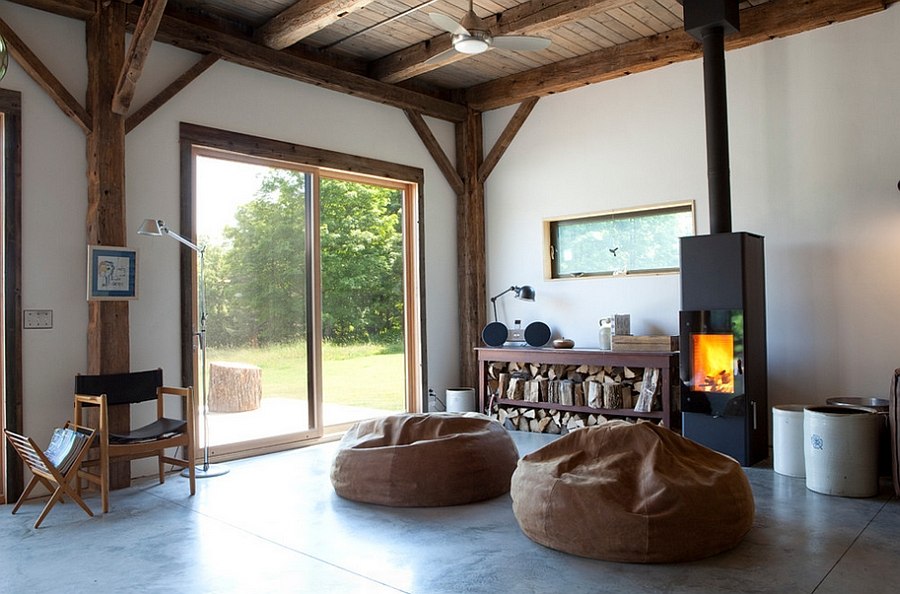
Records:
x=105, y=269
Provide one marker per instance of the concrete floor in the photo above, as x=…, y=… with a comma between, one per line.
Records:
x=274, y=524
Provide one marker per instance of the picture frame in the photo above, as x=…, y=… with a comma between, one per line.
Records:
x=111, y=273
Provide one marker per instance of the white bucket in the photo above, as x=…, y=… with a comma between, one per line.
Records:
x=787, y=440
x=460, y=400
x=841, y=450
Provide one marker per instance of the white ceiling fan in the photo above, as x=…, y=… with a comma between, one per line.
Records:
x=471, y=36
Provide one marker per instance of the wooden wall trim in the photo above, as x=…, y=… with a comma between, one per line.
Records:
x=293, y=153
x=11, y=107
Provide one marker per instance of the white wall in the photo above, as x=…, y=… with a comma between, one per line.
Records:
x=54, y=194
x=815, y=159
x=815, y=141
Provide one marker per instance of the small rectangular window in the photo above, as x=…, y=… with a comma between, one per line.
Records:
x=637, y=241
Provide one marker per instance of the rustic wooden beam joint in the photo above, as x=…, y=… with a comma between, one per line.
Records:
x=36, y=69
x=506, y=138
x=435, y=150
x=141, y=40
x=135, y=119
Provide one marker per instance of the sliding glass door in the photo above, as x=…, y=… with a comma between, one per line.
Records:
x=312, y=292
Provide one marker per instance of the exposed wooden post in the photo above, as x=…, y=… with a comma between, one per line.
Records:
x=471, y=246
x=108, y=333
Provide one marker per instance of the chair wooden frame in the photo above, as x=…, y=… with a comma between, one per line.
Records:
x=140, y=445
x=44, y=472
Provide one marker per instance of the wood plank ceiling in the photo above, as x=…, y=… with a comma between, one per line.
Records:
x=392, y=51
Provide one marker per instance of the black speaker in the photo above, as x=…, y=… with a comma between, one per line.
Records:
x=537, y=334
x=494, y=334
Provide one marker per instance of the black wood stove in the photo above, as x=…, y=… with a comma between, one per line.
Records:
x=723, y=363
x=723, y=371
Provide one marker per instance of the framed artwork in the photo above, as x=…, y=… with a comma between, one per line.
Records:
x=111, y=273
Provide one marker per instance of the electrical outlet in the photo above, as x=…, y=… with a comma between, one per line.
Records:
x=38, y=318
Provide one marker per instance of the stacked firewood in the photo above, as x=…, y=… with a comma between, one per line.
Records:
x=594, y=386
x=540, y=420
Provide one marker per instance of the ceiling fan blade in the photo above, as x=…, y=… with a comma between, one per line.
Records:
x=447, y=24
x=520, y=43
x=441, y=57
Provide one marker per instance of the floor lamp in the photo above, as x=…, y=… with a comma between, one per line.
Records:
x=157, y=228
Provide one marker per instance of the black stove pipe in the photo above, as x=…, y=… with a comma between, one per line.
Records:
x=718, y=173
x=709, y=21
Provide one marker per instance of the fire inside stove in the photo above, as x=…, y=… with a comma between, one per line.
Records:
x=713, y=363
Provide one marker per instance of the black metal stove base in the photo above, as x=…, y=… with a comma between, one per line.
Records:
x=727, y=435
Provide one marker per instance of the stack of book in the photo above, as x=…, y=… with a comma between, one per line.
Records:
x=626, y=342
x=65, y=445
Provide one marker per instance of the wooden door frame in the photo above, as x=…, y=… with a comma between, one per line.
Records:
x=11, y=348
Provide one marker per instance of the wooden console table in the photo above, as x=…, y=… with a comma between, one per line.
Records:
x=666, y=362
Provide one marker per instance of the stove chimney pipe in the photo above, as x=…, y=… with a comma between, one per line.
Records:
x=708, y=21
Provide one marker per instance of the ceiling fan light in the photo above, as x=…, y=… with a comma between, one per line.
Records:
x=471, y=45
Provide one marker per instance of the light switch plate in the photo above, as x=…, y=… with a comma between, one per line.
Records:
x=38, y=318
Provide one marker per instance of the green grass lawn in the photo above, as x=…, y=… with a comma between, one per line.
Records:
x=365, y=375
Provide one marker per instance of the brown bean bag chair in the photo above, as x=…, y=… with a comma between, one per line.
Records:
x=632, y=492
x=424, y=460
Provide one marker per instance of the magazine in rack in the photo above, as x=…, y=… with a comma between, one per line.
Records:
x=65, y=445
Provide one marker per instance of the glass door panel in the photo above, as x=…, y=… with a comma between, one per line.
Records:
x=362, y=276
x=253, y=220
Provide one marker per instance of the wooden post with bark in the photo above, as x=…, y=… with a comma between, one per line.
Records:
x=108, y=331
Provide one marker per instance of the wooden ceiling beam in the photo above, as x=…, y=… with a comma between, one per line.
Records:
x=76, y=9
x=144, y=33
x=529, y=18
x=536, y=16
x=776, y=18
x=253, y=55
x=304, y=18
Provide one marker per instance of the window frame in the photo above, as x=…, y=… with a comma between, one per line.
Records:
x=550, y=247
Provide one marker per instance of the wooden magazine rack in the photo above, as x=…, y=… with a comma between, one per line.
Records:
x=56, y=479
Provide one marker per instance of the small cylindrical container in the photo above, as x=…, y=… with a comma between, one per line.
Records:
x=787, y=440
x=460, y=400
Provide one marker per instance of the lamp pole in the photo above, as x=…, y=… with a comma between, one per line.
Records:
x=157, y=228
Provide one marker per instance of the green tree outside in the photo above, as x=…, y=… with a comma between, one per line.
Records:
x=256, y=279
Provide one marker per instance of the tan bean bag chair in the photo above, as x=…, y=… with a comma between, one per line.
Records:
x=632, y=492
x=424, y=460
